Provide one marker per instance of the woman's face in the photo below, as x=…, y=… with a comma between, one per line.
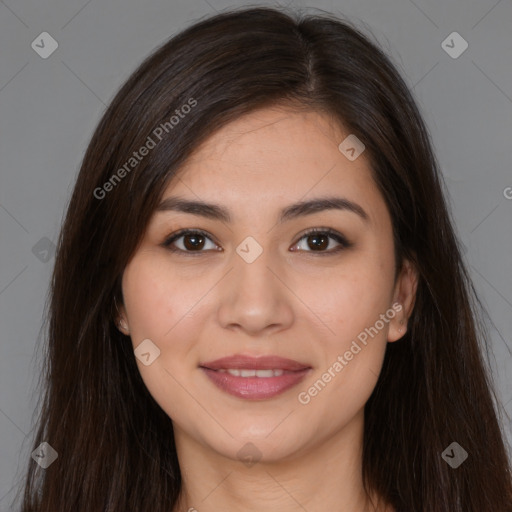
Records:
x=307, y=316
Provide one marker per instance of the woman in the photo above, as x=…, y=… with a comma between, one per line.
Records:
x=206, y=353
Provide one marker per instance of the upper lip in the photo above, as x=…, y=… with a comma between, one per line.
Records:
x=239, y=361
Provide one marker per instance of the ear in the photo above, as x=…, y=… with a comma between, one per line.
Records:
x=405, y=295
x=121, y=321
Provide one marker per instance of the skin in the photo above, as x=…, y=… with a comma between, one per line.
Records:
x=301, y=304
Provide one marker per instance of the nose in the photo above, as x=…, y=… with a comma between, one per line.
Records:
x=254, y=297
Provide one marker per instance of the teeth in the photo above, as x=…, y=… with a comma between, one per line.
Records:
x=253, y=373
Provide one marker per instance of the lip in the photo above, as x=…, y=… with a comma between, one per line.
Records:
x=255, y=388
x=255, y=363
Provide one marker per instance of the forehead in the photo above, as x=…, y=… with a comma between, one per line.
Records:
x=274, y=156
x=277, y=135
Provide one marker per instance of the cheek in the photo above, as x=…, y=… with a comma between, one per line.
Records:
x=157, y=309
x=350, y=365
x=352, y=297
x=351, y=304
x=157, y=300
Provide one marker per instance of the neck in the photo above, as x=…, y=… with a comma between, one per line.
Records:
x=323, y=476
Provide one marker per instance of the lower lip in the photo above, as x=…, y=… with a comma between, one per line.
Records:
x=255, y=388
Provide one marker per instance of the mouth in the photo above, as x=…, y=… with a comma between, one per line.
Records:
x=255, y=378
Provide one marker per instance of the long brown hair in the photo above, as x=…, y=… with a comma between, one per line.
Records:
x=115, y=445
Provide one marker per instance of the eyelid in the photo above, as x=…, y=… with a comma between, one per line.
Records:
x=331, y=233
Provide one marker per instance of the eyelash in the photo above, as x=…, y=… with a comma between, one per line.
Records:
x=344, y=243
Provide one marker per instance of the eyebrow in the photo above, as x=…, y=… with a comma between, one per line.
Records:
x=218, y=212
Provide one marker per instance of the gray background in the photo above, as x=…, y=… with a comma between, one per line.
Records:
x=49, y=107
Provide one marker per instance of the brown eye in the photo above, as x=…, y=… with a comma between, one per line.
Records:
x=318, y=241
x=193, y=241
x=189, y=241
